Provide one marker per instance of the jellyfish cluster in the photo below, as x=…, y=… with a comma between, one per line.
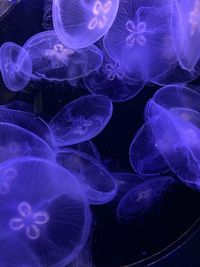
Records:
x=51, y=172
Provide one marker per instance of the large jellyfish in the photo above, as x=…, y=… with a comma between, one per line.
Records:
x=186, y=32
x=44, y=208
x=139, y=39
x=54, y=61
x=81, y=119
x=141, y=198
x=96, y=181
x=81, y=23
x=15, y=66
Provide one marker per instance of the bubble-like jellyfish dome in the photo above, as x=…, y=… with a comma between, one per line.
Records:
x=45, y=208
x=96, y=181
x=142, y=197
x=139, y=39
x=15, y=66
x=54, y=61
x=81, y=23
x=81, y=119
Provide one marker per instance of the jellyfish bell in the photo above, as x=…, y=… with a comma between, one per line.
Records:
x=96, y=181
x=81, y=23
x=16, y=66
x=141, y=198
x=46, y=209
x=54, y=61
x=81, y=120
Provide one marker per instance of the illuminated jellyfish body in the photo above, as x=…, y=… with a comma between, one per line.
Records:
x=27, y=121
x=141, y=198
x=139, y=39
x=46, y=209
x=81, y=119
x=145, y=157
x=15, y=66
x=97, y=183
x=186, y=32
x=110, y=80
x=53, y=61
x=177, y=132
x=16, y=142
x=81, y=23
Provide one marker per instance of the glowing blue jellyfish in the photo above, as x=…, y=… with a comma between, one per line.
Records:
x=45, y=209
x=139, y=39
x=81, y=23
x=145, y=157
x=81, y=119
x=54, y=61
x=16, y=142
x=98, y=184
x=186, y=32
x=141, y=198
x=15, y=66
x=111, y=80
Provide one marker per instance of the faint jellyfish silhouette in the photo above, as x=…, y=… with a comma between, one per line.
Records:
x=16, y=66
x=81, y=119
x=96, y=181
x=132, y=39
x=81, y=23
x=54, y=61
x=46, y=210
x=141, y=198
x=47, y=17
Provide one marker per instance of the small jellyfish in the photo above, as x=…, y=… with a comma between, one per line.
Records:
x=96, y=181
x=46, y=209
x=81, y=23
x=47, y=17
x=81, y=119
x=54, y=61
x=15, y=66
x=139, y=39
x=141, y=198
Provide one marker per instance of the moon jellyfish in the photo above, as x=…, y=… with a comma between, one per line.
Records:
x=111, y=80
x=81, y=120
x=141, y=198
x=145, y=157
x=139, y=39
x=81, y=23
x=15, y=65
x=16, y=142
x=186, y=32
x=54, y=61
x=96, y=181
x=45, y=209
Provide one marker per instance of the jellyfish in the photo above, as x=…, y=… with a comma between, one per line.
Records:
x=16, y=142
x=54, y=61
x=81, y=119
x=46, y=210
x=96, y=181
x=81, y=23
x=15, y=66
x=27, y=121
x=111, y=80
x=141, y=198
x=47, y=17
x=145, y=157
x=139, y=39
x=186, y=32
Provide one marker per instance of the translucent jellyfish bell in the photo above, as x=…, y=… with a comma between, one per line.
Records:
x=81, y=23
x=16, y=66
x=54, y=61
x=98, y=184
x=81, y=119
x=141, y=198
x=139, y=39
x=46, y=209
